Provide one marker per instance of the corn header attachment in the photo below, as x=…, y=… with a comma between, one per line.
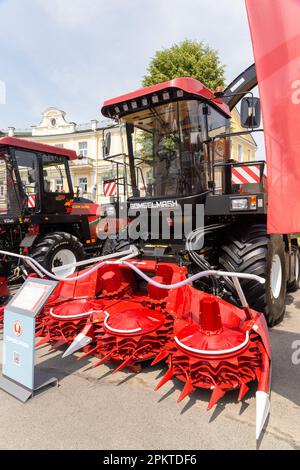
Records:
x=129, y=311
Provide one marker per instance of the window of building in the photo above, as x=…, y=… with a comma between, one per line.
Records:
x=83, y=149
x=59, y=186
x=240, y=152
x=83, y=183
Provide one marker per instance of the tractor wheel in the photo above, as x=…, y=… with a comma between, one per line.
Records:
x=294, y=286
x=254, y=252
x=58, y=249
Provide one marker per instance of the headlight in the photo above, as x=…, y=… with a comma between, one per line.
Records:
x=239, y=204
x=244, y=203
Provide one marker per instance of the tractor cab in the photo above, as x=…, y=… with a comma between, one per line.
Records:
x=34, y=179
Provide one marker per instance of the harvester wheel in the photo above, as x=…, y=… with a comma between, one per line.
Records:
x=294, y=286
x=253, y=251
x=58, y=249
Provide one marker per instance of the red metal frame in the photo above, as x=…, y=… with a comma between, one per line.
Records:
x=188, y=85
x=37, y=147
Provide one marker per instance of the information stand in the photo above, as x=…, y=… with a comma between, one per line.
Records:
x=20, y=377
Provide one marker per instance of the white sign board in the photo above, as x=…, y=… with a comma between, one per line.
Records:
x=30, y=296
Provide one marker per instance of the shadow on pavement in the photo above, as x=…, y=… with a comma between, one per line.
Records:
x=285, y=375
x=61, y=367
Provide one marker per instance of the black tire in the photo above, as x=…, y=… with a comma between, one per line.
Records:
x=50, y=245
x=254, y=252
x=294, y=286
x=112, y=245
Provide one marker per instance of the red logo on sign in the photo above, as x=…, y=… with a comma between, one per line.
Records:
x=17, y=328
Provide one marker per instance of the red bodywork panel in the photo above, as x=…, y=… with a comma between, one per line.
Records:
x=188, y=85
x=275, y=34
x=88, y=208
x=92, y=211
x=37, y=147
x=97, y=222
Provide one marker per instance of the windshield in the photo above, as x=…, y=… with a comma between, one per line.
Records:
x=9, y=200
x=170, y=143
x=27, y=166
x=55, y=174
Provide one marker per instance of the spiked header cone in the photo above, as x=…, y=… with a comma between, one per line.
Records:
x=262, y=411
x=83, y=339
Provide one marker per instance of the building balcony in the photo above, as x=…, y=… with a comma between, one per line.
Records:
x=83, y=162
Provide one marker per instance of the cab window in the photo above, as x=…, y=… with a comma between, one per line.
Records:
x=28, y=171
x=54, y=170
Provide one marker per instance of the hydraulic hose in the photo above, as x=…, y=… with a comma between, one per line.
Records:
x=198, y=259
x=123, y=262
x=38, y=269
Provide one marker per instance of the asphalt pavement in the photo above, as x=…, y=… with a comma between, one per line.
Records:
x=93, y=409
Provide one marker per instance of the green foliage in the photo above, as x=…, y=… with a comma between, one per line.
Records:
x=186, y=59
x=145, y=141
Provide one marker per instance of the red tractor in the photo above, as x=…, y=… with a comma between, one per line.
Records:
x=38, y=216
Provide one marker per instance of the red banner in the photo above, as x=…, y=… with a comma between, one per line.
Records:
x=275, y=31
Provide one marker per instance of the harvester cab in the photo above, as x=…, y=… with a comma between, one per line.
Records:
x=212, y=209
x=178, y=135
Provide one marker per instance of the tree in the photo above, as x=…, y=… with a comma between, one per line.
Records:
x=186, y=59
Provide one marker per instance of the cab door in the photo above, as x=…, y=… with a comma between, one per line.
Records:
x=56, y=186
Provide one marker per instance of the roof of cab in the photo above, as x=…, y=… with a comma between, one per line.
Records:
x=37, y=147
x=188, y=85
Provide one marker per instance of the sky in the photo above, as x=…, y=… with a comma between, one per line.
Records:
x=74, y=54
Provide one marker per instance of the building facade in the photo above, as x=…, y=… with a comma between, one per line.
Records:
x=243, y=147
x=90, y=170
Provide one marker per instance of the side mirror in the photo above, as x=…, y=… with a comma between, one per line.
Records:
x=250, y=113
x=107, y=145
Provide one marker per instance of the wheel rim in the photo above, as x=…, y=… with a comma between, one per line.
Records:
x=276, y=276
x=64, y=257
x=297, y=268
